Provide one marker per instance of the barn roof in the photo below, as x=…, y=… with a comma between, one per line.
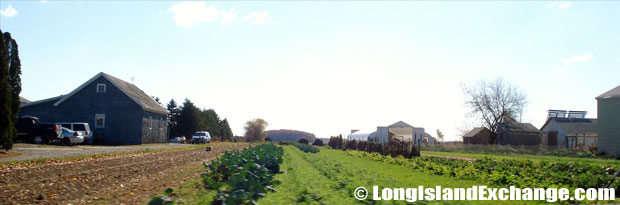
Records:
x=613, y=93
x=575, y=125
x=519, y=127
x=41, y=101
x=400, y=124
x=474, y=131
x=142, y=99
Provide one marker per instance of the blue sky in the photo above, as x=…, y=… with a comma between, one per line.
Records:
x=324, y=67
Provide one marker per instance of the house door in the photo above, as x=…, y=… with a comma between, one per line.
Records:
x=552, y=139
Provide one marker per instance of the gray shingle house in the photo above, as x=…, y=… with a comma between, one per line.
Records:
x=609, y=122
x=117, y=110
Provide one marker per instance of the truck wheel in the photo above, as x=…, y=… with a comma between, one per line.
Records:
x=65, y=141
x=39, y=140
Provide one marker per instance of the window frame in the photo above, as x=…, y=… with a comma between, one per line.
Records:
x=103, y=85
x=103, y=121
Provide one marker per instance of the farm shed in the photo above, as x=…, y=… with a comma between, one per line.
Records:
x=569, y=132
x=116, y=110
x=515, y=133
x=478, y=135
x=609, y=122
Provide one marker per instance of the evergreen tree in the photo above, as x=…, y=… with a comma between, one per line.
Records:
x=15, y=72
x=7, y=129
x=173, y=118
x=226, y=131
x=188, y=119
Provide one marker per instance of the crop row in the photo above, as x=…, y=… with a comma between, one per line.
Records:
x=506, y=172
x=242, y=177
x=306, y=148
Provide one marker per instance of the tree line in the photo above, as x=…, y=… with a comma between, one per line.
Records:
x=10, y=88
x=185, y=119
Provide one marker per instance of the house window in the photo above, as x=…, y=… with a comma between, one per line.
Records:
x=101, y=88
x=99, y=120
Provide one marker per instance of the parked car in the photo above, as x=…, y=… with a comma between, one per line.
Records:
x=177, y=140
x=201, y=137
x=80, y=127
x=70, y=137
x=30, y=129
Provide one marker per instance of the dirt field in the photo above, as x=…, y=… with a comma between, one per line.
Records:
x=32, y=151
x=128, y=178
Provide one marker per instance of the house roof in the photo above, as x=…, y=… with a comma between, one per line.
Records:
x=575, y=125
x=613, y=93
x=400, y=124
x=142, y=99
x=41, y=101
x=519, y=127
x=474, y=131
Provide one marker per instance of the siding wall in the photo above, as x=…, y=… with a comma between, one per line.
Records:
x=154, y=128
x=123, y=117
x=609, y=126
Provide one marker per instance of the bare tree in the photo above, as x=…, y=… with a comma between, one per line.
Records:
x=439, y=135
x=493, y=102
x=255, y=129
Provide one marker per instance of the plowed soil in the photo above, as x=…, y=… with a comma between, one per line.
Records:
x=130, y=178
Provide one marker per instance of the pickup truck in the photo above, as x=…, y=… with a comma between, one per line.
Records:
x=30, y=129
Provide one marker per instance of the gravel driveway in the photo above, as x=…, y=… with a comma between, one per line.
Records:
x=32, y=151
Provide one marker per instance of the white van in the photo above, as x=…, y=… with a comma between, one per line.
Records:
x=80, y=127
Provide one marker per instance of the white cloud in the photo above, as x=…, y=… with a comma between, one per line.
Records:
x=258, y=17
x=9, y=11
x=559, y=5
x=228, y=17
x=43, y=1
x=579, y=59
x=190, y=13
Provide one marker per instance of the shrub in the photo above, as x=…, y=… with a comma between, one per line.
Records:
x=336, y=142
x=318, y=142
x=306, y=148
x=303, y=141
x=267, y=139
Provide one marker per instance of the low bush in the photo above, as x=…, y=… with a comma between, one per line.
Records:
x=243, y=176
x=303, y=141
x=508, y=172
x=318, y=142
x=306, y=148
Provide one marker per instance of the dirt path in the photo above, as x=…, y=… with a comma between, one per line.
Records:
x=114, y=179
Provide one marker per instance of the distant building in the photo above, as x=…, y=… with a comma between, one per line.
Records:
x=569, y=129
x=116, y=110
x=511, y=132
x=400, y=131
x=609, y=122
x=478, y=135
